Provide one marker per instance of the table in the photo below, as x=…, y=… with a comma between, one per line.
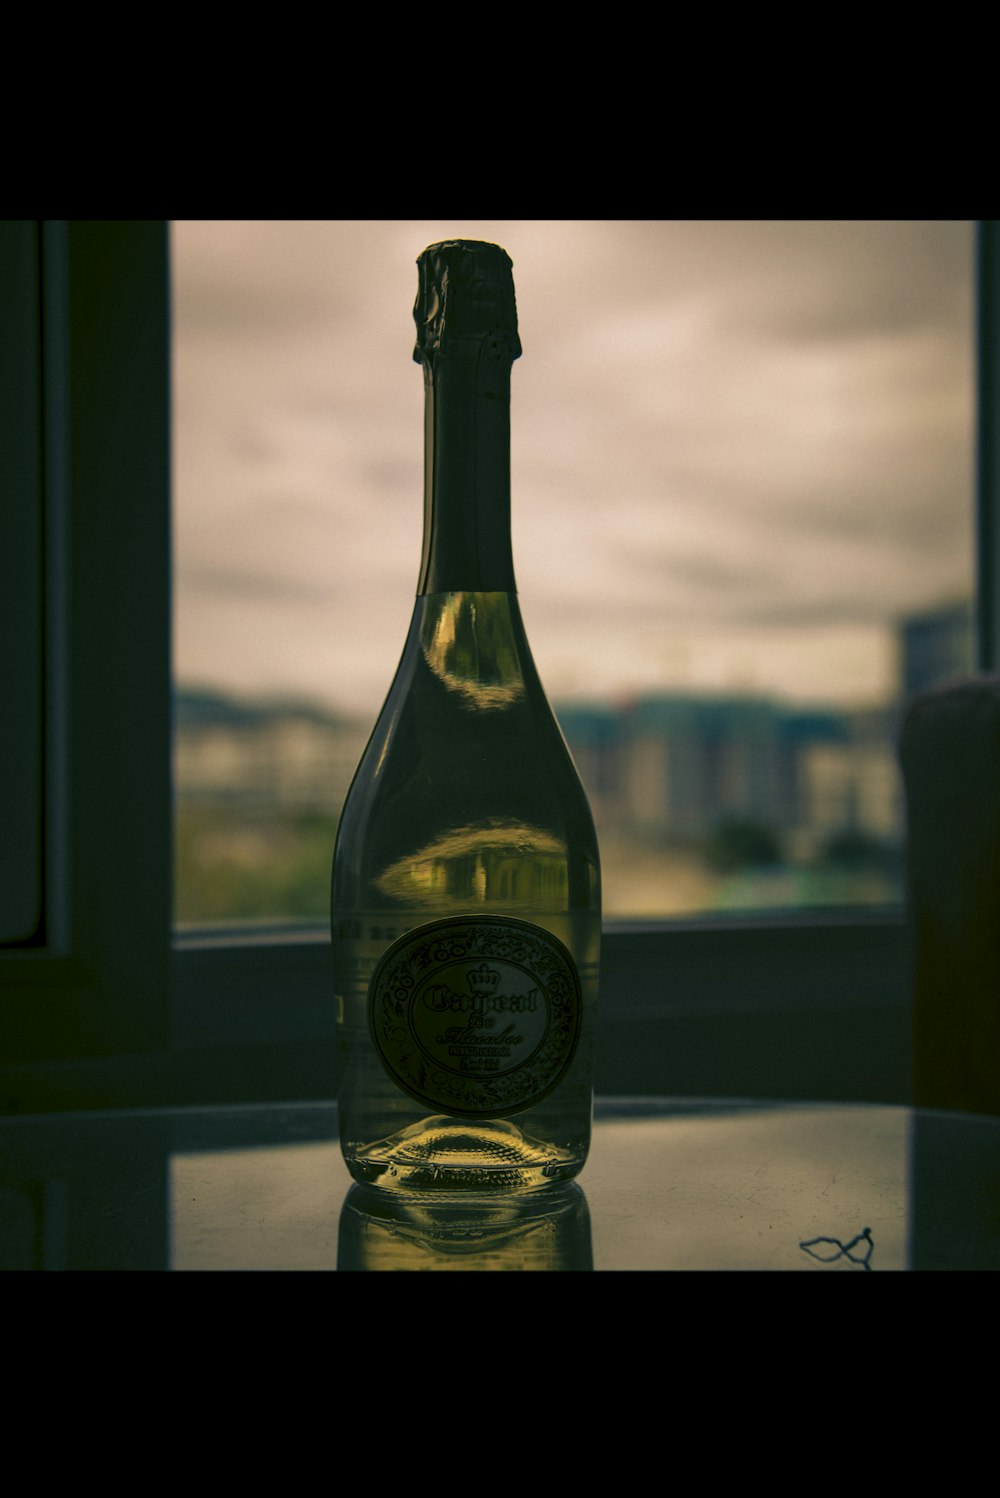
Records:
x=682, y=1184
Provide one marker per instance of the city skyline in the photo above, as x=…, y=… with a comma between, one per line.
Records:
x=783, y=412
x=700, y=800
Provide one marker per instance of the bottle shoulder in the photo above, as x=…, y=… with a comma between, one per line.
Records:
x=466, y=701
x=466, y=760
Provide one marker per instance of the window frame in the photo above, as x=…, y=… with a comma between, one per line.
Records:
x=986, y=332
x=93, y=982
x=113, y=1009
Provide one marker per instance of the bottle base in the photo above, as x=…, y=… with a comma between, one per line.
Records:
x=450, y=1154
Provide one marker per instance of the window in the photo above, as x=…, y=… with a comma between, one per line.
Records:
x=742, y=480
x=95, y=981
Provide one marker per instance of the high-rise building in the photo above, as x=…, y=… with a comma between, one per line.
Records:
x=935, y=646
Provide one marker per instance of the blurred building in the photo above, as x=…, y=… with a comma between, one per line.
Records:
x=691, y=761
x=268, y=753
x=935, y=646
x=593, y=732
x=677, y=765
x=665, y=766
x=848, y=778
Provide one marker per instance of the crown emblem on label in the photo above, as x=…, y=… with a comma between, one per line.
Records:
x=482, y=978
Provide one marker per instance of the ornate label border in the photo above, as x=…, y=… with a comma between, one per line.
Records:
x=424, y=1030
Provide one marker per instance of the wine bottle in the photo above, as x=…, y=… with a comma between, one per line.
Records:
x=466, y=878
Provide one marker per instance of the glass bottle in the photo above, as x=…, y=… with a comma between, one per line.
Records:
x=466, y=880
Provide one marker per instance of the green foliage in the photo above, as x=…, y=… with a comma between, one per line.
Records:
x=739, y=843
x=852, y=849
x=239, y=863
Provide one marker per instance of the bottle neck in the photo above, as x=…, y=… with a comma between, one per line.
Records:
x=467, y=544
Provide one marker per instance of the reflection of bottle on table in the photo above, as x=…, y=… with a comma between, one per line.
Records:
x=431, y=1230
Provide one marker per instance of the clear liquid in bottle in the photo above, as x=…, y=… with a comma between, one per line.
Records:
x=466, y=885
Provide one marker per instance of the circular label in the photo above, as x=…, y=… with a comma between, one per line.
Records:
x=476, y=1017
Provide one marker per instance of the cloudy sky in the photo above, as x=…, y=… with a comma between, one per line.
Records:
x=741, y=451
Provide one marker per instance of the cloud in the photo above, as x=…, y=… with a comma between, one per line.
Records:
x=754, y=427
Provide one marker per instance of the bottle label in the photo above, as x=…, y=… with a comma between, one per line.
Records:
x=476, y=1017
